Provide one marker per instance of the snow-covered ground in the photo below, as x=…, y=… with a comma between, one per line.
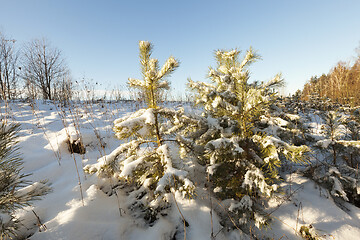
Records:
x=80, y=210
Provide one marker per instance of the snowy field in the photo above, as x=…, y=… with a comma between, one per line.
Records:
x=78, y=209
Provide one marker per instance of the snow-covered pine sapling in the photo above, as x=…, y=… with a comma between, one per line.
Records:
x=334, y=130
x=15, y=191
x=342, y=179
x=353, y=155
x=150, y=159
x=337, y=135
x=242, y=162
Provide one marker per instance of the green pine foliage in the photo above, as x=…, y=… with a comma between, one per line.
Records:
x=15, y=191
x=308, y=232
x=154, y=79
x=151, y=158
x=341, y=136
x=241, y=160
x=340, y=174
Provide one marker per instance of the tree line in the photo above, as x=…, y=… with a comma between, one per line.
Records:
x=37, y=70
x=341, y=84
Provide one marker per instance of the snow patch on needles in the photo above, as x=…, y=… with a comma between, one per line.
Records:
x=255, y=179
x=170, y=171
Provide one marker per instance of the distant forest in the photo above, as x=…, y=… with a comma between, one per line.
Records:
x=341, y=84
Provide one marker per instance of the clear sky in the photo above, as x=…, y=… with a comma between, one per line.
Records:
x=99, y=39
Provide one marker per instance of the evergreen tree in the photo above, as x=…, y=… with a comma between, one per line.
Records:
x=15, y=191
x=149, y=158
x=342, y=145
x=341, y=135
x=241, y=161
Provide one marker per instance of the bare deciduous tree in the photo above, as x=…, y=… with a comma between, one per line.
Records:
x=63, y=88
x=43, y=67
x=8, y=69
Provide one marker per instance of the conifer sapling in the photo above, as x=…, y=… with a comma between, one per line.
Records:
x=149, y=158
x=241, y=161
x=15, y=191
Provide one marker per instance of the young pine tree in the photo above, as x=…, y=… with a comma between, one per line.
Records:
x=241, y=161
x=149, y=158
x=341, y=174
x=15, y=191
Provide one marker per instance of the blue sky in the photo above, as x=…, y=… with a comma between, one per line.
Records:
x=99, y=39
